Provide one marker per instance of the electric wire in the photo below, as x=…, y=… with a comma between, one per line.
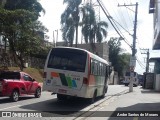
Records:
x=124, y=21
x=128, y=16
x=122, y=27
x=108, y=16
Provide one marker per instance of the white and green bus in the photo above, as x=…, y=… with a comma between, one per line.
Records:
x=75, y=72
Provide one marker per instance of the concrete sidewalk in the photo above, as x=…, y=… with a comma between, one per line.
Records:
x=139, y=101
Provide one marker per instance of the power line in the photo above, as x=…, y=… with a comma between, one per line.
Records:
x=140, y=63
x=122, y=27
x=122, y=16
x=122, y=21
x=108, y=16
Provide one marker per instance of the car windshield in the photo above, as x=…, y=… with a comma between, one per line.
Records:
x=10, y=75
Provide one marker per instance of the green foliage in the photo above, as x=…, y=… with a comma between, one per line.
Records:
x=123, y=63
x=37, y=74
x=119, y=61
x=70, y=20
x=20, y=29
x=31, y=5
x=92, y=30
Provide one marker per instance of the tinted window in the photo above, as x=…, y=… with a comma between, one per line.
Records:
x=10, y=75
x=67, y=59
x=98, y=68
x=27, y=78
x=128, y=74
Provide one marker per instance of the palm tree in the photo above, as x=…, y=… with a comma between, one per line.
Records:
x=92, y=30
x=70, y=20
x=2, y=2
x=68, y=31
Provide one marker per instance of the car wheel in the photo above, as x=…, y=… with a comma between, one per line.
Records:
x=38, y=93
x=15, y=96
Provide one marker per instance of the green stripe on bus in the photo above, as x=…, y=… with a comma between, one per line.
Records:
x=63, y=79
x=69, y=81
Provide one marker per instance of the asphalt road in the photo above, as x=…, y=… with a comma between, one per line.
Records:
x=71, y=108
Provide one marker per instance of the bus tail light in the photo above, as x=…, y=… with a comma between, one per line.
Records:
x=85, y=80
x=44, y=74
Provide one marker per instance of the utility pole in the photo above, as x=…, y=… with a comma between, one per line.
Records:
x=54, y=43
x=55, y=40
x=147, y=62
x=133, y=58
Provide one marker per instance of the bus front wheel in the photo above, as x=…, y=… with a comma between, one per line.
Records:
x=104, y=91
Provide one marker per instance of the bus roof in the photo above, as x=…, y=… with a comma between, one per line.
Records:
x=91, y=54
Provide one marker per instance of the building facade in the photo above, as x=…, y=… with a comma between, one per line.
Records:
x=101, y=49
x=154, y=8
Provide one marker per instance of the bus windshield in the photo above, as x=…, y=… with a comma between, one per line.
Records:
x=67, y=59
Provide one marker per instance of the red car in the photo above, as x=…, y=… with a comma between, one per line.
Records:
x=15, y=84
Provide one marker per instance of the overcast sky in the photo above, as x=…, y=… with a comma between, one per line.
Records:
x=124, y=16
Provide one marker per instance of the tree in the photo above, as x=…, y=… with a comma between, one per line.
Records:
x=114, y=50
x=22, y=36
x=30, y=5
x=123, y=63
x=2, y=2
x=119, y=60
x=70, y=20
x=20, y=29
x=92, y=30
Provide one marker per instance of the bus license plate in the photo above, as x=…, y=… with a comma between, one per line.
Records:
x=62, y=91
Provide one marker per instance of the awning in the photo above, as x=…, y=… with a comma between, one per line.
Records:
x=151, y=6
x=154, y=59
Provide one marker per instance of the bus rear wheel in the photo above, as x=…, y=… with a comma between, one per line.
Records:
x=61, y=97
x=92, y=100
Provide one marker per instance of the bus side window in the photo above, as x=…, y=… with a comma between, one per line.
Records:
x=96, y=67
x=100, y=69
x=92, y=66
x=103, y=70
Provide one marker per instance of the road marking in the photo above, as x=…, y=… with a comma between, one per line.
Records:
x=10, y=107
